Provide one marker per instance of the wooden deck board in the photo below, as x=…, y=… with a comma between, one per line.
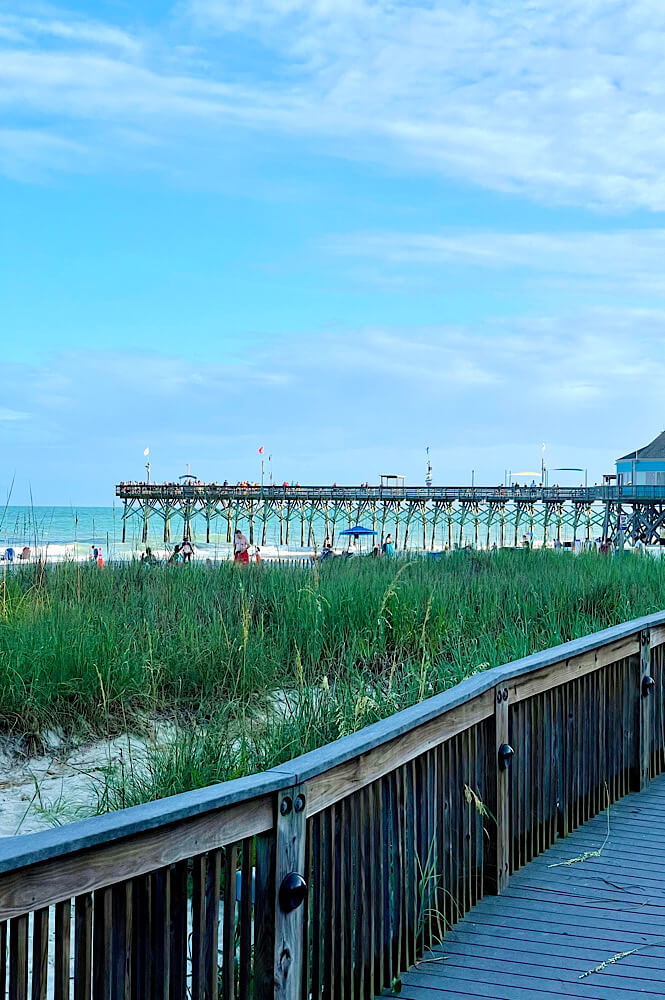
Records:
x=556, y=923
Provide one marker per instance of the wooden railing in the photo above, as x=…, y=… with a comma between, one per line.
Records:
x=329, y=876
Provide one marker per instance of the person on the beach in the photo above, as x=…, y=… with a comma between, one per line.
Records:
x=175, y=556
x=95, y=553
x=389, y=545
x=240, y=547
x=257, y=553
x=327, y=544
x=148, y=557
x=186, y=550
x=100, y=559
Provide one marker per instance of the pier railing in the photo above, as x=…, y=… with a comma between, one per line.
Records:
x=442, y=494
x=329, y=876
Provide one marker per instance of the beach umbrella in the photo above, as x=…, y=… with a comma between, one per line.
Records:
x=358, y=530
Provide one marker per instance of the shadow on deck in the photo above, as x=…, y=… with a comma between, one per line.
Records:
x=553, y=925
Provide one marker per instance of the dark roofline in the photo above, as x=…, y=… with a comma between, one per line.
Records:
x=654, y=451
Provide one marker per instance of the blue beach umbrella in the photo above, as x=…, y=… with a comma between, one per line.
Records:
x=357, y=534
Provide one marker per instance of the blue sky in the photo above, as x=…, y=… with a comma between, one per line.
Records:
x=344, y=230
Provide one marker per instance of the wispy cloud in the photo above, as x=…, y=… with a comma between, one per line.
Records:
x=632, y=257
x=537, y=99
x=9, y=415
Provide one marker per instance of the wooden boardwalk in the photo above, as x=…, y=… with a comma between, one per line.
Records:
x=554, y=924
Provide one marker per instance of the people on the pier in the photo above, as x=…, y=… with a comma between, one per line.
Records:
x=240, y=547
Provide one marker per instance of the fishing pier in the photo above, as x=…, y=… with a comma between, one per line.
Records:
x=423, y=517
x=502, y=840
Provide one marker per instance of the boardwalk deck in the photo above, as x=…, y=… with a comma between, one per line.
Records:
x=554, y=924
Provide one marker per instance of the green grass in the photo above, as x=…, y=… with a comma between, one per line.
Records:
x=98, y=652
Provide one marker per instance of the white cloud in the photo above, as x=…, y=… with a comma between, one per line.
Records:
x=634, y=258
x=10, y=416
x=563, y=102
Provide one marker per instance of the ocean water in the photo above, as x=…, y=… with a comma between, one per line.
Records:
x=70, y=532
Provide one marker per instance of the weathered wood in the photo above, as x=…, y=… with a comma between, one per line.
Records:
x=122, y=938
x=178, y=931
x=3, y=960
x=264, y=917
x=102, y=958
x=18, y=958
x=83, y=947
x=646, y=698
x=61, y=878
x=290, y=822
x=229, y=922
x=143, y=937
x=568, y=670
x=161, y=950
x=354, y=774
x=39, y=956
x=198, y=926
x=213, y=891
x=245, y=955
x=63, y=920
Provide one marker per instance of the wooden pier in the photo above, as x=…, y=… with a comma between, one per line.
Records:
x=423, y=517
x=333, y=875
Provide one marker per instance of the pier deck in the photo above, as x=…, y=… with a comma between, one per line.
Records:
x=554, y=924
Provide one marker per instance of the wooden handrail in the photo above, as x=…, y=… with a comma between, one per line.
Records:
x=358, y=820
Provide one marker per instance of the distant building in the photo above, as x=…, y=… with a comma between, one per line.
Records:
x=644, y=466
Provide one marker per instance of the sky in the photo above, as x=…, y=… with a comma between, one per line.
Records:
x=343, y=230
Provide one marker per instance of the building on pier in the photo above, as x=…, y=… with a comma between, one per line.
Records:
x=644, y=466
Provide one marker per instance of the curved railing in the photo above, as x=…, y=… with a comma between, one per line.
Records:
x=389, y=836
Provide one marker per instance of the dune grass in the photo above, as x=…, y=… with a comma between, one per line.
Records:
x=256, y=664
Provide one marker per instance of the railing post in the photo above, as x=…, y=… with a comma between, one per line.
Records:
x=289, y=893
x=501, y=760
x=646, y=708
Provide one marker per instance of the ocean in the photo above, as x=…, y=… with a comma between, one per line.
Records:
x=69, y=533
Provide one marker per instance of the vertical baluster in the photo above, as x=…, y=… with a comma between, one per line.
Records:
x=101, y=945
x=161, y=951
x=82, y=946
x=3, y=959
x=143, y=937
x=229, y=922
x=338, y=953
x=264, y=917
x=214, y=876
x=400, y=961
x=39, y=954
x=178, y=931
x=329, y=901
x=350, y=805
x=245, y=970
x=63, y=921
x=18, y=958
x=198, y=926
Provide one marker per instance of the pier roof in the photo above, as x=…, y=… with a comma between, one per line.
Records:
x=655, y=451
